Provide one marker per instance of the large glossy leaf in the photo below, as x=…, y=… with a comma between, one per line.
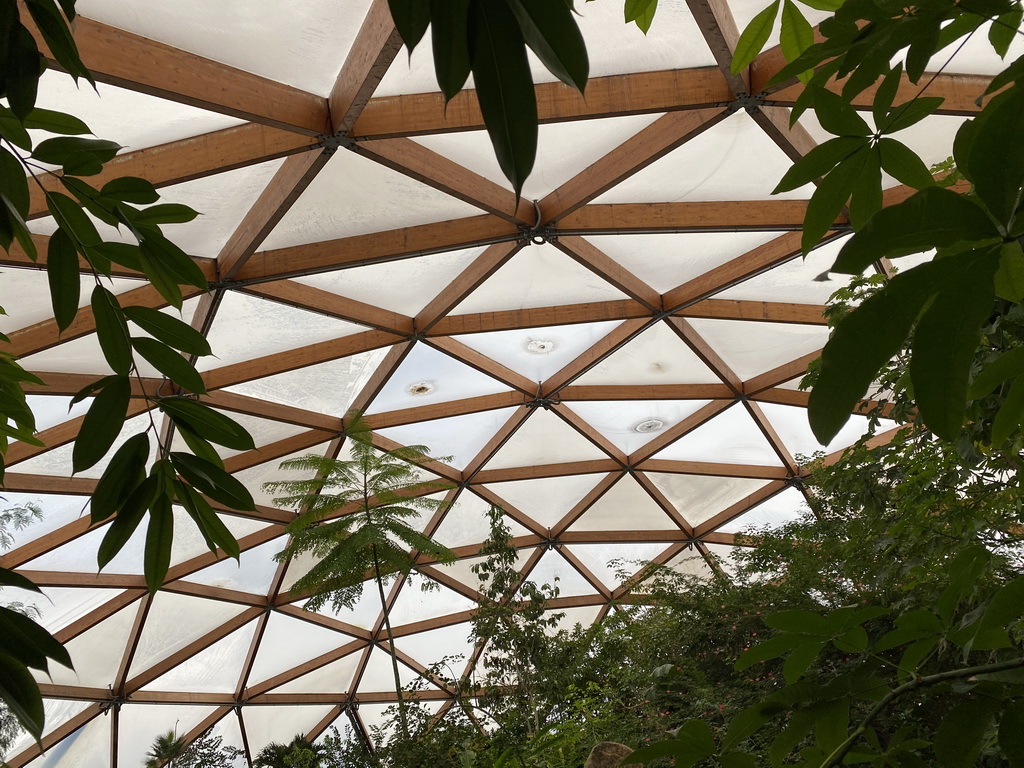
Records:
x=449, y=32
x=111, y=330
x=829, y=198
x=552, y=33
x=159, y=538
x=165, y=213
x=796, y=35
x=55, y=122
x=102, y=423
x=21, y=75
x=504, y=88
x=124, y=473
x=127, y=520
x=213, y=481
x=20, y=692
x=210, y=525
x=837, y=116
x=819, y=161
x=903, y=164
x=170, y=363
x=169, y=329
x=63, y=276
x=70, y=216
x=131, y=189
x=411, y=19
x=996, y=158
x=15, y=182
x=754, y=37
x=208, y=423
x=960, y=737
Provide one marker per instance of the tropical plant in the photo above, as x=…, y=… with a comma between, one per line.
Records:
x=209, y=751
x=166, y=749
x=356, y=518
x=298, y=753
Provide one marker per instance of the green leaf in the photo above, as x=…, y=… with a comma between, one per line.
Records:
x=159, y=538
x=644, y=20
x=22, y=66
x=213, y=481
x=960, y=737
x=552, y=33
x=837, y=116
x=996, y=158
x=737, y=760
x=829, y=198
x=771, y=648
x=411, y=19
x=199, y=446
x=796, y=35
x=909, y=113
x=167, y=266
x=168, y=329
x=15, y=182
x=819, y=161
x=1004, y=29
x=853, y=640
x=945, y=341
x=1009, y=281
x=1011, y=733
x=931, y=218
x=504, y=88
x=20, y=692
x=102, y=423
x=71, y=217
x=78, y=156
x=210, y=525
x=886, y=94
x=449, y=33
x=1008, y=365
x=207, y=423
x=111, y=330
x=57, y=34
x=1005, y=607
x=866, y=194
x=926, y=43
x=21, y=231
x=903, y=164
x=124, y=473
x=63, y=276
x=125, y=254
x=12, y=129
x=165, y=213
x=55, y=122
x=131, y=189
x=170, y=363
x=12, y=579
x=800, y=659
x=799, y=622
x=754, y=38
x=964, y=571
x=127, y=520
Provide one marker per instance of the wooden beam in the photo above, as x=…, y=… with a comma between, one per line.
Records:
x=584, y=504
x=740, y=507
x=659, y=498
x=564, y=469
x=137, y=63
x=539, y=317
x=757, y=311
x=323, y=302
x=592, y=436
x=752, y=471
x=779, y=374
x=699, y=216
x=444, y=410
x=58, y=734
x=645, y=392
x=381, y=376
x=794, y=140
x=498, y=439
x=689, y=336
x=612, y=96
x=484, y=364
x=187, y=159
x=718, y=26
x=633, y=155
x=265, y=409
x=771, y=435
x=591, y=257
x=378, y=247
x=676, y=431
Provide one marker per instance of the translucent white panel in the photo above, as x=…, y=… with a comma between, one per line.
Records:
x=665, y=261
x=455, y=440
x=731, y=437
x=724, y=555
x=364, y=612
x=51, y=410
x=254, y=477
x=227, y=729
x=691, y=563
x=791, y=424
x=583, y=616
x=140, y=724
x=353, y=195
x=88, y=747
x=288, y=642
x=173, y=622
x=379, y=676
x=556, y=571
x=415, y=604
x=279, y=724
x=335, y=677
x=253, y=573
x=716, y=165
x=699, y=497
x=463, y=569
x=544, y=439
x=57, y=712
x=618, y=421
x=626, y=506
x=326, y=388
x=521, y=351
x=264, y=432
x=466, y=522
x=780, y=509
x=58, y=511
x=427, y=376
x=563, y=150
x=538, y=276
x=97, y=652
x=26, y=296
x=613, y=47
x=800, y=280
x=430, y=647
x=378, y=719
x=132, y=119
x=246, y=327
x=405, y=286
x=213, y=670
x=793, y=384
x=753, y=348
x=611, y=562
x=63, y=605
x=548, y=499
x=303, y=46
x=656, y=356
x=976, y=56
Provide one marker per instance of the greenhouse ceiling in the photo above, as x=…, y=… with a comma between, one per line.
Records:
x=613, y=360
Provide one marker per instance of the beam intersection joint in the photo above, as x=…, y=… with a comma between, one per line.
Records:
x=547, y=403
x=747, y=102
x=331, y=143
x=114, y=703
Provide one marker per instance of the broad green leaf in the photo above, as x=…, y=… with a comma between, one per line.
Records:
x=1011, y=733
x=12, y=129
x=945, y=341
x=964, y=571
x=1013, y=72
x=89, y=198
x=552, y=33
x=754, y=37
x=20, y=693
x=832, y=724
x=111, y=330
x=170, y=363
x=796, y=35
x=771, y=648
x=63, y=276
x=1008, y=365
x=915, y=654
x=866, y=195
x=411, y=19
x=823, y=5
x=71, y=217
x=800, y=659
x=926, y=43
x=124, y=473
x=125, y=254
x=854, y=640
x=449, y=33
x=903, y=164
x=1004, y=30
x=792, y=734
x=127, y=520
x=167, y=266
x=168, y=329
x=1005, y=607
x=13, y=579
x=1009, y=279
x=932, y=218
x=55, y=122
x=960, y=737
x=634, y=9
x=909, y=113
x=819, y=161
x=996, y=159
x=29, y=643
x=165, y=213
x=22, y=64
x=198, y=445
x=886, y=94
x=207, y=423
x=829, y=198
x=159, y=538
x=213, y=481
x=644, y=20
x=837, y=116
x=504, y=88
x=131, y=189
x=68, y=151
x=799, y=622
x=102, y=423
x=747, y=722
x=155, y=268
x=210, y=525
x=57, y=34
x=15, y=182
x=21, y=232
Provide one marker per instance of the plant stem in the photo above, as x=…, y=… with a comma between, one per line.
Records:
x=391, y=645
x=841, y=751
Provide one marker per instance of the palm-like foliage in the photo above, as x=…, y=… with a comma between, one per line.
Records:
x=167, y=747
x=355, y=518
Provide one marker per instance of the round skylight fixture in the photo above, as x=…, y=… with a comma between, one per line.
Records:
x=421, y=388
x=649, y=425
x=540, y=346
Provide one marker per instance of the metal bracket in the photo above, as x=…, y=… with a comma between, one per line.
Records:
x=549, y=544
x=746, y=101
x=114, y=704
x=537, y=234
x=332, y=143
x=543, y=402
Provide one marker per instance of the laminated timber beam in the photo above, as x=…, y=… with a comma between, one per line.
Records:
x=697, y=216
